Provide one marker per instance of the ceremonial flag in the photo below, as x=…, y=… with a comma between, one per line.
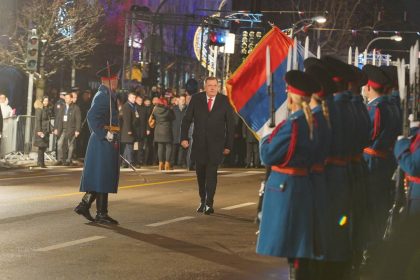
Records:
x=247, y=88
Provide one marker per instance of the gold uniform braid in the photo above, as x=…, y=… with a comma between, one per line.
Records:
x=309, y=117
x=326, y=112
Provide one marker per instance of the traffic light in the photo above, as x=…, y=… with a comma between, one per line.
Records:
x=217, y=38
x=32, y=53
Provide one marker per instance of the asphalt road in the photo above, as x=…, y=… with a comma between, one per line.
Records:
x=160, y=235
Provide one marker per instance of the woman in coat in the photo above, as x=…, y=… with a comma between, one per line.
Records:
x=42, y=129
x=287, y=224
x=163, y=132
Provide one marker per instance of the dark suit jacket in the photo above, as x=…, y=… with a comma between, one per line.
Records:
x=141, y=123
x=74, y=120
x=213, y=131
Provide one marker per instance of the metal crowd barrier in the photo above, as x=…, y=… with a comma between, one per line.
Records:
x=17, y=139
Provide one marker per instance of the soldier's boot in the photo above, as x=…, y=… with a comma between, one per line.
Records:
x=167, y=165
x=102, y=210
x=85, y=204
x=161, y=165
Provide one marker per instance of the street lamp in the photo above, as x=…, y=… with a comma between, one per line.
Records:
x=396, y=38
x=308, y=22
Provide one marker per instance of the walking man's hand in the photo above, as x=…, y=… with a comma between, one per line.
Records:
x=185, y=144
x=226, y=152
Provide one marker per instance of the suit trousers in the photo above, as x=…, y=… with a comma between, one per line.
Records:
x=207, y=181
x=127, y=149
x=65, y=147
x=252, y=154
x=41, y=157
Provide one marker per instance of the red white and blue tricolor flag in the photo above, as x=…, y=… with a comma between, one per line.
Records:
x=247, y=88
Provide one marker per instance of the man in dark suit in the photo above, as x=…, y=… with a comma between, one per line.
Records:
x=67, y=128
x=140, y=130
x=127, y=129
x=212, y=115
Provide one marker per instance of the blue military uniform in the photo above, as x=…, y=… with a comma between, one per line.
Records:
x=407, y=152
x=322, y=142
x=337, y=163
x=287, y=223
x=101, y=168
x=286, y=228
x=102, y=165
x=360, y=221
x=378, y=156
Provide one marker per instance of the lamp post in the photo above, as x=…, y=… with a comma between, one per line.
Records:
x=396, y=38
x=309, y=22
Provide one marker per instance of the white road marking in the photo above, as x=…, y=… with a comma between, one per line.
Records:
x=29, y=177
x=241, y=174
x=254, y=172
x=239, y=206
x=170, y=221
x=68, y=244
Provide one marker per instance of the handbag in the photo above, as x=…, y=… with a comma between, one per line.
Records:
x=152, y=121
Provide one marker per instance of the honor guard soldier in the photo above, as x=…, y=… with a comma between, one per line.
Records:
x=338, y=167
x=378, y=154
x=360, y=221
x=393, y=93
x=407, y=153
x=287, y=224
x=322, y=140
x=101, y=170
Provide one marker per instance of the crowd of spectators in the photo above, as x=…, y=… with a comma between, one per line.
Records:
x=141, y=144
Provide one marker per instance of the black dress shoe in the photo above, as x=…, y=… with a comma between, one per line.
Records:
x=209, y=210
x=201, y=208
x=105, y=219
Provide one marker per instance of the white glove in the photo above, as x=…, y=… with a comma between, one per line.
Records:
x=0, y=135
x=411, y=117
x=400, y=137
x=109, y=136
x=414, y=124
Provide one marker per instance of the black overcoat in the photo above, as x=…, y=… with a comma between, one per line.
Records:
x=42, y=124
x=176, y=124
x=213, y=131
x=141, y=123
x=128, y=119
x=163, y=129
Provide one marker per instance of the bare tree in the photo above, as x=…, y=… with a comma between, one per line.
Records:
x=68, y=31
x=342, y=17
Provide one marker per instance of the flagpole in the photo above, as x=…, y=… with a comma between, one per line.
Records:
x=270, y=87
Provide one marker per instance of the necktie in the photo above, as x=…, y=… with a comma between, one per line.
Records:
x=209, y=102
